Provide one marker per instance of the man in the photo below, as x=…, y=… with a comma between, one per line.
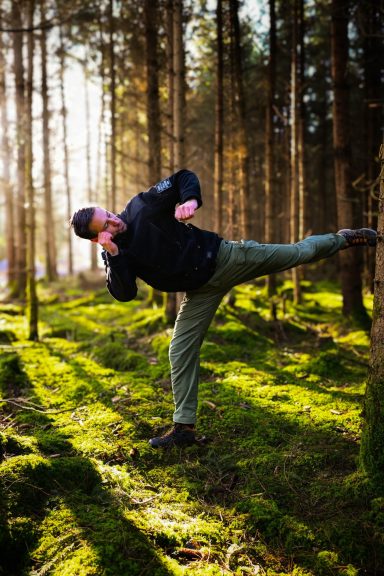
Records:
x=151, y=240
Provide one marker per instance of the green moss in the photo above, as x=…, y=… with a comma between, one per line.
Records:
x=12, y=444
x=12, y=378
x=116, y=356
x=7, y=336
x=276, y=485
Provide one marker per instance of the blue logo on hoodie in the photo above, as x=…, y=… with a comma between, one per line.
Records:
x=163, y=185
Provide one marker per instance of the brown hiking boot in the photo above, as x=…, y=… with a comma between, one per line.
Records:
x=359, y=237
x=180, y=435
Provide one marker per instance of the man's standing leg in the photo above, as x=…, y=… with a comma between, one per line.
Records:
x=195, y=315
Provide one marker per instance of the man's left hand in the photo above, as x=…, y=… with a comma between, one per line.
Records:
x=186, y=211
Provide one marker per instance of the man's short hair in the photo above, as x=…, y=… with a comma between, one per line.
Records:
x=80, y=222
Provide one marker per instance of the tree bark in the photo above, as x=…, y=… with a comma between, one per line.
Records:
x=219, y=124
x=350, y=269
x=302, y=228
x=177, y=96
x=241, y=113
x=153, y=102
x=32, y=302
x=294, y=150
x=112, y=72
x=65, y=150
x=372, y=445
x=373, y=48
x=102, y=168
x=21, y=259
x=5, y=154
x=49, y=229
x=179, y=85
x=153, y=105
x=170, y=83
x=269, y=183
x=90, y=194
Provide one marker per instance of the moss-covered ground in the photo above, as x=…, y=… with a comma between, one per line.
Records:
x=274, y=489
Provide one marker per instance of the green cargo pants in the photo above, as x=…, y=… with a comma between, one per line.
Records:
x=236, y=262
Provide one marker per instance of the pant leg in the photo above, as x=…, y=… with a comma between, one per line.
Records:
x=237, y=262
x=195, y=315
x=243, y=261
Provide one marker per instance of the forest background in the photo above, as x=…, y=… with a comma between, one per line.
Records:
x=278, y=108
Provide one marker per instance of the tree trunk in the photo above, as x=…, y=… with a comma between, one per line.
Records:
x=49, y=229
x=153, y=105
x=269, y=184
x=101, y=177
x=153, y=102
x=170, y=298
x=90, y=195
x=178, y=116
x=170, y=83
x=112, y=73
x=373, y=57
x=5, y=155
x=32, y=303
x=372, y=445
x=179, y=85
x=242, y=144
x=219, y=124
x=302, y=227
x=294, y=152
x=65, y=150
x=349, y=260
x=232, y=227
x=21, y=260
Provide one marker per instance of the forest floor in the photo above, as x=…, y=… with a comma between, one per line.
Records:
x=274, y=489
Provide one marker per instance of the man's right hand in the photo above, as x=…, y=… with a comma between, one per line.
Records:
x=105, y=239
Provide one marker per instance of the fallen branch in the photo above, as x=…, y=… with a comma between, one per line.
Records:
x=21, y=403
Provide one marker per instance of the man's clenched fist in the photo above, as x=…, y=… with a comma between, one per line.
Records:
x=187, y=210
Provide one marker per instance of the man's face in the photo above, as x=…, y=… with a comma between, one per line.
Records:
x=104, y=221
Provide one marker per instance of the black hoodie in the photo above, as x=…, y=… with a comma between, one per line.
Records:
x=167, y=254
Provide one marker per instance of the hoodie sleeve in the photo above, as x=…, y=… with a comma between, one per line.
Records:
x=121, y=279
x=176, y=189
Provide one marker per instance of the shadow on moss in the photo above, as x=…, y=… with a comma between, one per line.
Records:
x=35, y=488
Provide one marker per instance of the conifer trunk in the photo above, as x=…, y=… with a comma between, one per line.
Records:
x=178, y=117
x=219, y=124
x=101, y=178
x=350, y=270
x=371, y=17
x=21, y=258
x=65, y=151
x=5, y=155
x=112, y=72
x=242, y=181
x=32, y=303
x=153, y=102
x=294, y=152
x=179, y=85
x=170, y=298
x=90, y=194
x=302, y=228
x=269, y=183
x=49, y=229
x=170, y=83
x=232, y=208
x=372, y=445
